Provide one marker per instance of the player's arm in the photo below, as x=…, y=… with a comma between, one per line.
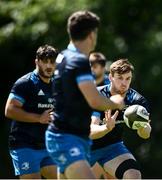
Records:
x=97, y=130
x=96, y=100
x=14, y=110
x=144, y=132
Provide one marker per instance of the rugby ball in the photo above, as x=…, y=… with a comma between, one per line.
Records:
x=136, y=116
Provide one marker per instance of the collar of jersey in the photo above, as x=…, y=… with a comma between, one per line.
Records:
x=35, y=72
x=38, y=77
x=72, y=47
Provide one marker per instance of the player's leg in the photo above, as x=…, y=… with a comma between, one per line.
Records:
x=48, y=167
x=79, y=169
x=61, y=176
x=123, y=165
x=70, y=153
x=100, y=172
x=49, y=172
x=30, y=176
x=26, y=163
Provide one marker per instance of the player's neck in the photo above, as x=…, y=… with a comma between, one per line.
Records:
x=113, y=91
x=46, y=80
x=82, y=47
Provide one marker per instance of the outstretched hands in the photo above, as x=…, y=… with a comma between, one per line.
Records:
x=110, y=119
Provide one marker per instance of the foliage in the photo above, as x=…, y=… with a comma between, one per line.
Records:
x=129, y=28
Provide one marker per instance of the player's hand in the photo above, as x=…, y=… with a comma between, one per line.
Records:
x=46, y=117
x=144, y=132
x=110, y=119
x=118, y=100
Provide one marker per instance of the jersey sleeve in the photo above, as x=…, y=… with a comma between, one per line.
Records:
x=96, y=114
x=20, y=90
x=143, y=102
x=103, y=90
x=83, y=71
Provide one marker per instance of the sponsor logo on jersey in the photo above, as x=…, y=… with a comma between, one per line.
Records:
x=49, y=106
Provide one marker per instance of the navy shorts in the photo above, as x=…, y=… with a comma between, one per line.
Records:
x=28, y=161
x=66, y=149
x=108, y=153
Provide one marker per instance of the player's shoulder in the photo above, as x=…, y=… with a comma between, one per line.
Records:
x=104, y=90
x=75, y=58
x=134, y=95
x=27, y=79
x=23, y=79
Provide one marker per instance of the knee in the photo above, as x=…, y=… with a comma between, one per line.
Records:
x=128, y=169
x=132, y=174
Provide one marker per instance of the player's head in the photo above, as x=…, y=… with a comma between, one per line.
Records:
x=45, y=60
x=121, y=75
x=98, y=62
x=83, y=24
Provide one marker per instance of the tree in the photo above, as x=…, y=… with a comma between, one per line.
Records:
x=129, y=28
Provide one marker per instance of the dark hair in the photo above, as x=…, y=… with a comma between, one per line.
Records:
x=81, y=23
x=46, y=52
x=121, y=66
x=97, y=58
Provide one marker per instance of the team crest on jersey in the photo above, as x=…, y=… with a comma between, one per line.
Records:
x=50, y=100
x=25, y=166
x=74, y=151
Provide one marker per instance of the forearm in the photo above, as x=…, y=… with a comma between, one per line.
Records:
x=19, y=114
x=98, y=131
x=103, y=103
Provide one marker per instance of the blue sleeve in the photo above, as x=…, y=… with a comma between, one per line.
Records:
x=20, y=90
x=83, y=71
x=84, y=77
x=143, y=102
x=96, y=114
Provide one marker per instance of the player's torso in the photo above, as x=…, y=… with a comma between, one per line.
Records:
x=132, y=97
x=38, y=98
x=72, y=113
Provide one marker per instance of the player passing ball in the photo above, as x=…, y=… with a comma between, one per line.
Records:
x=108, y=148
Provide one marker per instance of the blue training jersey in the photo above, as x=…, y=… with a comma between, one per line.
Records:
x=132, y=97
x=36, y=97
x=105, y=81
x=72, y=112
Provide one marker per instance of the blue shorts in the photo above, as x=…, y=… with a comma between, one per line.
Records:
x=108, y=153
x=66, y=149
x=27, y=161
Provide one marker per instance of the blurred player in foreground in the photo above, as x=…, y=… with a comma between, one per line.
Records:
x=98, y=63
x=75, y=93
x=29, y=105
x=108, y=148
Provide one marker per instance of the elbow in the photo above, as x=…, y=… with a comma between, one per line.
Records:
x=8, y=112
